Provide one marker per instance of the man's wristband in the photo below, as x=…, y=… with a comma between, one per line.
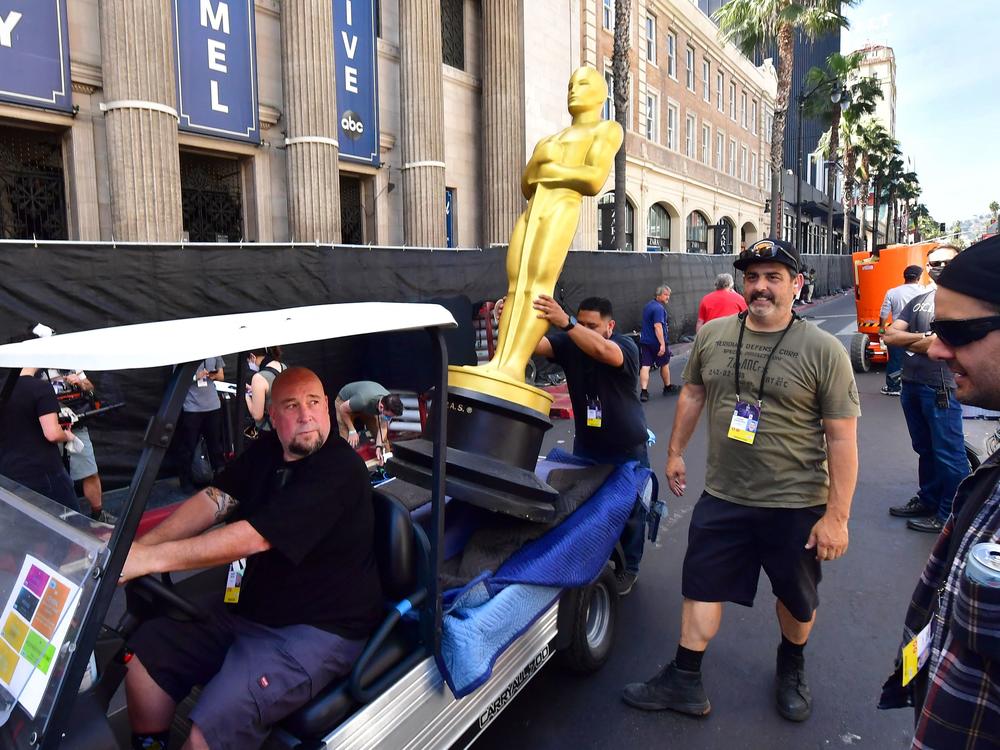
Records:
x=352, y=432
x=569, y=325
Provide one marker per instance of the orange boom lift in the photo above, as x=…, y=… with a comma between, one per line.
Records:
x=874, y=275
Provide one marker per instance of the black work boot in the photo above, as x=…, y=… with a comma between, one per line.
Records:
x=672, y=688
x=791, y=693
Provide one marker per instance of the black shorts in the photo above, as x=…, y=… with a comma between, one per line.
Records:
x=649, y=356
x=729, y=543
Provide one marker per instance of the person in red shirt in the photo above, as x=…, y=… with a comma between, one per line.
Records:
x=720, y=303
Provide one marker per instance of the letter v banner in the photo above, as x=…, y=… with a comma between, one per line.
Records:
x=215, y=51
x=34, y=54
x=356, y=60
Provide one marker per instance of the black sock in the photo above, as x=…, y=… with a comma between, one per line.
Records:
x=789, y=649
x=688, y=660
x=151, y=741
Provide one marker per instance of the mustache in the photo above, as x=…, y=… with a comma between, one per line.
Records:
x=762, y=295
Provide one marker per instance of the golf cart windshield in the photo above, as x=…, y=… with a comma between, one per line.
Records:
x=50, y=563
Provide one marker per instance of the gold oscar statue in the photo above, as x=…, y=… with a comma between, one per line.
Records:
x=563, y=168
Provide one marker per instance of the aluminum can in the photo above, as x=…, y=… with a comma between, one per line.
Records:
x=983, y=565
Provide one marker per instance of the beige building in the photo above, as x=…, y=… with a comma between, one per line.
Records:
x=698, y=139
x=227, y=120
x=119, y=160
x=879, y=62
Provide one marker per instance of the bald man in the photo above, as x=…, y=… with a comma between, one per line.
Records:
x=302, y=593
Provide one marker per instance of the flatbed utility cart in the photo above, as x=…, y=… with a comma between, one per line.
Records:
x=874, y=275
x=425, y=678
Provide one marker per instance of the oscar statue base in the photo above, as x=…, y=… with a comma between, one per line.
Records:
x=493, y=446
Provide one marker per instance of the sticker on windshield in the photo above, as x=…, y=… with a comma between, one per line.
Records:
x=33, y=626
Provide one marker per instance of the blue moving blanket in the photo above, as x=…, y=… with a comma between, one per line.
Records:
x=484, y=617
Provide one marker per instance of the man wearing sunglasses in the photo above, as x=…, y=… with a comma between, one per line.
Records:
x=933, y=414
x=954, y=692
x=782, y=407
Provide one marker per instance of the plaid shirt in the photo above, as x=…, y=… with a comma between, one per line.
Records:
x=961, y=708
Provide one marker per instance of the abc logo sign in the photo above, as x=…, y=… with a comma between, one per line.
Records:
x=352, y=125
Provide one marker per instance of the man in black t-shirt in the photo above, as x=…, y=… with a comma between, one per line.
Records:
x=296, y=615
x=602, y=374
x=29, y=438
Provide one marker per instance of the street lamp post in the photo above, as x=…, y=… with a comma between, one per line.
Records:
x=837, y=96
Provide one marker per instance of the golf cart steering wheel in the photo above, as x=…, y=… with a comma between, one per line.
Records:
x=168, y=595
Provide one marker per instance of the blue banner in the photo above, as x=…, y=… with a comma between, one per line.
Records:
x=449, y=218
x=34, y=54
x=216, y=56
x=355, y=56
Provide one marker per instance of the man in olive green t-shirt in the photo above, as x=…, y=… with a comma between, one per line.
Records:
x=781, y=407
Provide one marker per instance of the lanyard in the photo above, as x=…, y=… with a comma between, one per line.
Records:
x=767, y=363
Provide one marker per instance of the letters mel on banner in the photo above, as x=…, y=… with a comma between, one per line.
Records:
x=34, y=54
x=355, y=56
x=216, y=57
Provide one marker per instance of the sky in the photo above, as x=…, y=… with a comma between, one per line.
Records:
x=947, y=94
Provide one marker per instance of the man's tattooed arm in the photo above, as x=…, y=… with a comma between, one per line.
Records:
x=224, y=502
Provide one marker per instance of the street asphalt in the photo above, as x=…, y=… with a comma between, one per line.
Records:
x=850, y=653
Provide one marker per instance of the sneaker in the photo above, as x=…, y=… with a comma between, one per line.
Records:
x=670, y=390
x=626, y=580
x=914, y=508
x=932, y=525
x=887, y=391
x=791, y=693
x=672, y=688
x=644, y=395
x=102, y=516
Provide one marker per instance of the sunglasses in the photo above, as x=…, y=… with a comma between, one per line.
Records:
x=767, y=249
x=957, y=333
x=938, y=263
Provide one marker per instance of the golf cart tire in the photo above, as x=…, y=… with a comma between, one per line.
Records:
x=592, y=618
x=860, y=360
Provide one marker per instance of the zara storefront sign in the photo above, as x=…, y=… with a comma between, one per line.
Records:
x=216, y=58
x=355, y=56
x=34, y=54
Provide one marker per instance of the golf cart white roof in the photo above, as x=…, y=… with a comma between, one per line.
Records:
x=170, y=342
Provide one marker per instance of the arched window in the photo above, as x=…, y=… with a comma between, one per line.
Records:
x=697, y=232
x=726, y=237
x=658, y=232
x=603, y=214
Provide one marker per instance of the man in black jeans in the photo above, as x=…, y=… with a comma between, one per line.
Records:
x=933, y=414
x=602, y=375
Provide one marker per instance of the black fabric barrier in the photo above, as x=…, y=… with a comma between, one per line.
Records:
x=79, y=286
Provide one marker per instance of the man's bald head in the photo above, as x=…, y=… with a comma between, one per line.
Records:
x=300, y=412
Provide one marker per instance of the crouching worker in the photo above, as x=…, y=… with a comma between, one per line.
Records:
x=297, y=506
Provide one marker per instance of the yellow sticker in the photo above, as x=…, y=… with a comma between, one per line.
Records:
x=15, y=630
x=915, y=654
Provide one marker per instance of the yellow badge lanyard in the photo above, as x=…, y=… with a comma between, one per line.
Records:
x=767, y=363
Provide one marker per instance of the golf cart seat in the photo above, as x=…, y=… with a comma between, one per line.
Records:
x=402, y=553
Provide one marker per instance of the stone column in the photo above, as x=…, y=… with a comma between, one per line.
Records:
x=141, y=119
x=310, y=93
x=503, y=118
x=422, y=117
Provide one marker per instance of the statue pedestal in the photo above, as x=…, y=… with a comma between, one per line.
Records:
x=493, y=445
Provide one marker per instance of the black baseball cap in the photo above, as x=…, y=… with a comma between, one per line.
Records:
x=912, y=272
x=768, y=250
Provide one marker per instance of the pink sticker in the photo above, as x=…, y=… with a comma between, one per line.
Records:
x=35, y=580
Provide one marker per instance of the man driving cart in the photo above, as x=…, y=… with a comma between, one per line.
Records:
x=298, y=507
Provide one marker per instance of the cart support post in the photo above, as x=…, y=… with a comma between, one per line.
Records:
x=157, y=440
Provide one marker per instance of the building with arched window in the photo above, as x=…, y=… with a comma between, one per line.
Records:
x=698, y=137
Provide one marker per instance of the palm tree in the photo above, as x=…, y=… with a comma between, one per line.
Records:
x=859, y=98
x=760, y=24
x=994, y=209
x=876, y=147
x=619, y=72
x=908, y=192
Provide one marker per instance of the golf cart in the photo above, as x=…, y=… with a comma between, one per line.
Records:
x=61, y=664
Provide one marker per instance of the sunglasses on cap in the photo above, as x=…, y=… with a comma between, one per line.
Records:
x=957, y=333
x=765, y=250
